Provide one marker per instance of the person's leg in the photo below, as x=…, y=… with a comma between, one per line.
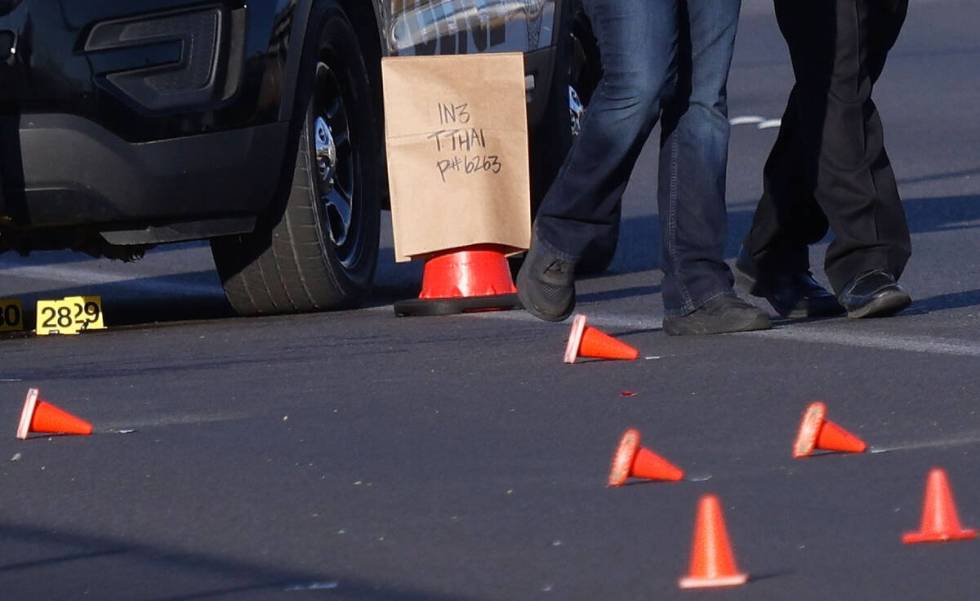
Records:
x=869, y=272
x=886, y=18
x=636, y=40
x=694, y=158
x=855, y=185
x=787, y=219
x=774, y=262
x=697, y=288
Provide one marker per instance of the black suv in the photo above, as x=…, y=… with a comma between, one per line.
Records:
x=126, y=124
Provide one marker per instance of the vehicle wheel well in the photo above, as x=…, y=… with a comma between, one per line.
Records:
x=363, y=18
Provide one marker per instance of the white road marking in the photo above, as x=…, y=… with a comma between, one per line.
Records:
x=313, y=586
x=889, y=342
x=955, y=441
x=746, y=120
x=797, y=333
x=173, y=420
x=603, y=320
x=770, y=124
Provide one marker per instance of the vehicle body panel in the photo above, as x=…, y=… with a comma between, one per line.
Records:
x=80, y=149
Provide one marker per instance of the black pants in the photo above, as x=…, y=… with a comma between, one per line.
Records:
x=829, y=165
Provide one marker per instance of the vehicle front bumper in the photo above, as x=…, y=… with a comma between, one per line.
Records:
x=63, y=170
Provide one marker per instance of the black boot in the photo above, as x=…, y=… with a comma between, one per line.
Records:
x=792, y=295
x=546, y=284
x=720, y=315
x=873, y=294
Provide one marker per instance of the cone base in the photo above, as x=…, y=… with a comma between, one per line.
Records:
x=27, y=414
x=911, y=538
x=417, y=307
x=806, y=438
x=629, y=446
x=719, y=581
x=575, y=339
x=470, y=279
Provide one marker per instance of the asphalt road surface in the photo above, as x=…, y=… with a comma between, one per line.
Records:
x=358, y=456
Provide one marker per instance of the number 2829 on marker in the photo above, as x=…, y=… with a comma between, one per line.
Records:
x=70, y=315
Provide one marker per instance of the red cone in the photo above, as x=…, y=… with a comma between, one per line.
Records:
x=587, y=341
x=940, y=520
x=632, y=460
x=818, y=432
x=471, y=279
x=712, y=558
x=44, y=418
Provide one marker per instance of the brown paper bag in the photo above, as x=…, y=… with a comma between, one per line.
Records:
x=456, y=137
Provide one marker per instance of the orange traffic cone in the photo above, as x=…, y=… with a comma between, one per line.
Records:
x=587, y=341
x=474, y=278
x=41, y=416
x=712, y=559
x=818, y=432
x=940, y=521
x=639, y=462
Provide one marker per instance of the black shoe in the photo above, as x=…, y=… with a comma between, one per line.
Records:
x=546, y=284
x=792, y=295
x=873, y=294
x=726, y=313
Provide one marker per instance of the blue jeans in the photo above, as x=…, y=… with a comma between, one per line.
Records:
x=664, y=59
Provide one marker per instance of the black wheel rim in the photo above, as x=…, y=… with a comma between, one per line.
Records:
x=334, y=176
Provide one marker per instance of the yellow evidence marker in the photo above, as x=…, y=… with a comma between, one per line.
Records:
x=11, y=315
x=70, y=315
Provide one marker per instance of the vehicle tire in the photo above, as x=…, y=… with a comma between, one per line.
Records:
x=317, y=248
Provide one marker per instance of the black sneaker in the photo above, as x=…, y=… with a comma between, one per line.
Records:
x=792, y=295
x=874, y=294
x=546, y=284
x=720, y=315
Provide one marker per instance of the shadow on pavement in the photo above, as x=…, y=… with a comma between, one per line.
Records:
x=51, y=561
x=945, y=302
x=618, y=293
x=639, y=248
x=179, y=297
x=943, y=214
x=940, y=176
x=769, y=575
x=173, y=565
x=65, y=257
x=198, y=295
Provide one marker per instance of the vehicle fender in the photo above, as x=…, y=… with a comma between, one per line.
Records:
x=302, y=12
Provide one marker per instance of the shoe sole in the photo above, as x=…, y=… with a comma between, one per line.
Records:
x=885, y=305
x=672, y=328
x=801, y=310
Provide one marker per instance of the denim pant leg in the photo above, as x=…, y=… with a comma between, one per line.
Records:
x=636, y=40
x=694, y=158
